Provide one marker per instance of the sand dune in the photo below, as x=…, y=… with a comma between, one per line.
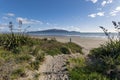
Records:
x=87, y=43
x=54, y=67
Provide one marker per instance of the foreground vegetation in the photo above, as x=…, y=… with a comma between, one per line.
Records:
x=21, y=54
x=103, y=63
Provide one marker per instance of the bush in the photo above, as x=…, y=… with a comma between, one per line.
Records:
x=6, y=55
x=35, y=64
x=65, y=50
x=53, y=47
x=11, y=41
x=23, y=58
x=106, y=59
x=20, y=72
x=74, y=47
x=40, y=57
x=80, y=70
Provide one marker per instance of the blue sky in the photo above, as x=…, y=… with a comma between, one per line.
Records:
x=72, y=15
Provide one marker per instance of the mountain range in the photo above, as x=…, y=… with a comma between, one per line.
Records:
x=55, y=31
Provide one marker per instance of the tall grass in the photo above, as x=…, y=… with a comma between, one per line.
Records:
x=103, y=63
x=105, y=59
x=12, y=41
x=79, y=70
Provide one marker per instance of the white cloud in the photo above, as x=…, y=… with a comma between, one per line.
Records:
x=10, y=14
x=100, y=13
x=92, y=15
x=105, y=2
x=96, y=14
x=94, y=1
x=28, y=21
x=109, y=1
x=3, y=25
x=74, y=28
x=118, y=8
x=115, y=12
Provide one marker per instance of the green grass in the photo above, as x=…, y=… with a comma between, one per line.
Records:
x=20, y=72
x=81, y=71
x=12, y=41
x=106, y=59
x=21, y=49
x=74, y=47
x=35, y=64
x=103, y=64
x=23, y=58
x=53, y=47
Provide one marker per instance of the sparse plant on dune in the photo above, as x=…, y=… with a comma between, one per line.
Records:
x=12, y=40
x=106, y=57
x=103, y=63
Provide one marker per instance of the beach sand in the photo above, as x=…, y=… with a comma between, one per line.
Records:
x=87, y=43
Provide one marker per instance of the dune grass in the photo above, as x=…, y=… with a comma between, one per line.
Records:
x=106, y=59
x=80, y=70
x=103, y=62
x=20, y=49
x=53, y=47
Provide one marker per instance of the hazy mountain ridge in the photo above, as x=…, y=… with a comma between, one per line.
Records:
x=54, y=31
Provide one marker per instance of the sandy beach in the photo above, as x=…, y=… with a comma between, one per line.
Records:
x=87, y=43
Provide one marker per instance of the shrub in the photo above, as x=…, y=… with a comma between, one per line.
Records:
x=35, y=50
x=74, y=47
x=36, y=76
x=80, y=70
x=23, y=58
x=53, y=51
x=35, y=64
x=20, y=72
x=6, y=55
x=40, y=57
x=106, y=59
x=65, y=50
x=11, y=41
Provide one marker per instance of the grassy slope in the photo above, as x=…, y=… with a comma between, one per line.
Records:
x=103, y=64
x=19, y=53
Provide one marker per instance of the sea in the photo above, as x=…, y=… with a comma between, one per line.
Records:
x=92, y=35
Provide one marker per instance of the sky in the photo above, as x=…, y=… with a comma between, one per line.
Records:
x=72, y=15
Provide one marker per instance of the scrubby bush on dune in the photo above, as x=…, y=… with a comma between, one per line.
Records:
x=18, y=49
x=103, y=63
x=13, y=41
x=65, y=50
x=74, y=47
x=53, y=47
x=20, y=72
x=80, y=70
x=21, y=49
x=106, y=58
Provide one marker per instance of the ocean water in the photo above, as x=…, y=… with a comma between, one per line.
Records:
x=96, y=35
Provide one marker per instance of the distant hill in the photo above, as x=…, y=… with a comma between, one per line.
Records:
x=57, y=31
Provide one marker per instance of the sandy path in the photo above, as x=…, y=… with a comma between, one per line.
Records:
x=54, y=68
